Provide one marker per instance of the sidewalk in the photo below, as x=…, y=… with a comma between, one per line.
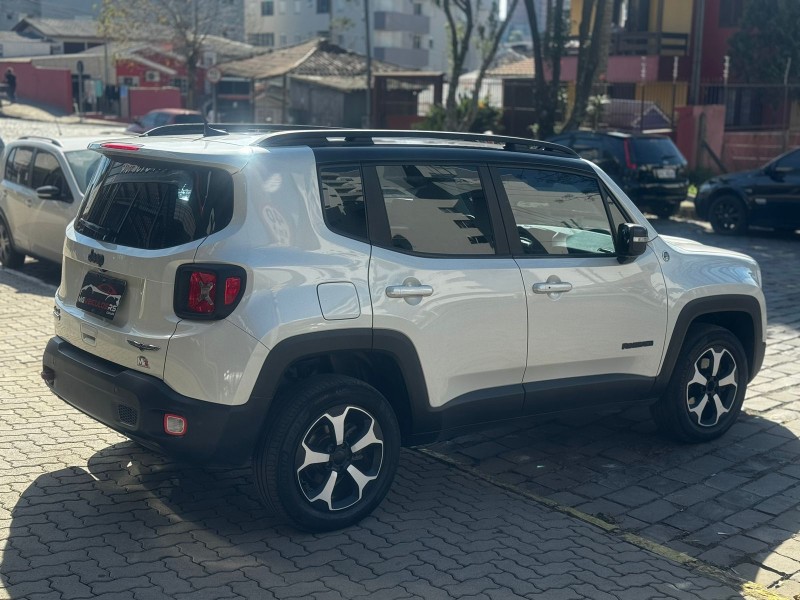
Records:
x=32, y=112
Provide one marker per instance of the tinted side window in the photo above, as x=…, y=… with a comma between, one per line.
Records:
x=19, y=164
x=435, y=209
x=47, y=171
x=343, y=200
x=557, y=213
x=790, y=161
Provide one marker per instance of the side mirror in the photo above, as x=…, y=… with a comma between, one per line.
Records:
x=48, y=192
x=631, y=241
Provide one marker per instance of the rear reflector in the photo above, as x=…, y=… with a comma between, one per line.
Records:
x=174, y=424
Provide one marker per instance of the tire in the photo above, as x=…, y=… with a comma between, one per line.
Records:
x=686, y=411
x=305, y=475
x=728, y=215
x=8, y=255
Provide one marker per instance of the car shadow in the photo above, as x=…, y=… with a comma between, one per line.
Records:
x=132, y=520
x=38, y=277
x=733, y=502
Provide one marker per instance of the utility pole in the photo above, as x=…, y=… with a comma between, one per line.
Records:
x=368, y=97
x=786, y=119
x=697, y=50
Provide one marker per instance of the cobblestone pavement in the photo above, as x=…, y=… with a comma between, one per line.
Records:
x=588, y=507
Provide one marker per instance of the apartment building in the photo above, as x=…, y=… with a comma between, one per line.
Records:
x=409, y=33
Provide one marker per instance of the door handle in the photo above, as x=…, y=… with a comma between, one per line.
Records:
x=412, y=291
x=408, y=291
x=551, y=287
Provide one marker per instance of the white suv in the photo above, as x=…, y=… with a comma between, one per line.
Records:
x=315, y=299
x=43, y=181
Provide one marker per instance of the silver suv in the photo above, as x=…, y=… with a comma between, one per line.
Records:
x=313, y=300
x=43, y=182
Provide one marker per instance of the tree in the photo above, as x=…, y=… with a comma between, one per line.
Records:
x=592, y=55
x=184, y=24
x=547, y=49
x=463, y=23
x=767, y=39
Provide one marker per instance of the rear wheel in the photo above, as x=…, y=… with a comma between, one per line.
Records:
x=707, y=388
x=728, y=215
x=330, y=454
x=8, y=255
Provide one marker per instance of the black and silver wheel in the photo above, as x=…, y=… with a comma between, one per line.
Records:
x=329, y=456
x=728, y=215
x=705, y=395
x=8, y=255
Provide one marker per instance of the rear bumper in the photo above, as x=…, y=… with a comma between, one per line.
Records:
x=134, y=404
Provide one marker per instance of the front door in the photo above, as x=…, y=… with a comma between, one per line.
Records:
x=596, y=326
x=51, y=215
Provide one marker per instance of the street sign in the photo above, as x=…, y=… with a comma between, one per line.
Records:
x=213, y=75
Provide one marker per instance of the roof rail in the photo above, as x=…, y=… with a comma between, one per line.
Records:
x=366, y=137
x=53, y=141
x=206, y=129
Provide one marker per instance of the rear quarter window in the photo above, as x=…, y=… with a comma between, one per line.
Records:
x=152, y=205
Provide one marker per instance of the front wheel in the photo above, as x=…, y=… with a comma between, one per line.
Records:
x=707, y=388
x=665, y=211
x=330, y=454
x=728, y=215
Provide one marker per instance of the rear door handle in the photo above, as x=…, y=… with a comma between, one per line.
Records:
x=408, y=291
x=412, y=291
x=551, y=288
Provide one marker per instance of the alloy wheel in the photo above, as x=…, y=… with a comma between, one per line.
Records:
x=711, y=392
x=339, y=456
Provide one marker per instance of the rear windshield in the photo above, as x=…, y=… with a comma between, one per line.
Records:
x=656, y=151
x=151, y=205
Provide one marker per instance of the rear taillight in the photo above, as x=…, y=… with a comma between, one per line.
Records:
x=208, y=291
x=628, y=155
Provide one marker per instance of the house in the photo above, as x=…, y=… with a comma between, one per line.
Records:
x=320, y=83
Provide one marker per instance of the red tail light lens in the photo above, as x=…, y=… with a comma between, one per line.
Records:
x=232, y=287
x=208, y=291
x=628, y=155
x=202, y=291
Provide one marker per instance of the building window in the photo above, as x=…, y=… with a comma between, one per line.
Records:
x=181, y=83
x=262, y=39
x=297, y=7
x=267, y=8
x=730, y=13
x=416, y=42
x=129, y=81
x=417, y=8
x=323, y=6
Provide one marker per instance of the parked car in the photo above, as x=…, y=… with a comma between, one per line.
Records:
x=164, y=116
x=43, y=182
x=353, y=291
x=649, y=167
x=769, y=197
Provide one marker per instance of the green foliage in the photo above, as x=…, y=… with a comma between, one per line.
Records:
x=768, y=37
x=488, y=117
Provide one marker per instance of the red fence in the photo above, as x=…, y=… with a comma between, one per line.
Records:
x=42, y=85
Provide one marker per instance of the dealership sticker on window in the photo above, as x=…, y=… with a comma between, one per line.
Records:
x=101, y=294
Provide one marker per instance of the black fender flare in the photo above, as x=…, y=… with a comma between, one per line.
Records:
x=395, y=345
x=700, y=307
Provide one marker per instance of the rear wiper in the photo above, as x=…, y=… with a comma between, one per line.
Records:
x=98, y=229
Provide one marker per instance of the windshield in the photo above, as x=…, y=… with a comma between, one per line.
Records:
x=656, y=151
x=84, y=165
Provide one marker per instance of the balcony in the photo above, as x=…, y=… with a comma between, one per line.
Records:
x=642, y=43
x=396, y=21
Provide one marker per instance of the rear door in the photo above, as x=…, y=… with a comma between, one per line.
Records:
x=18, y=195
x=776, y=193
x=596, y=327
x=441, y=275
x=140, y=221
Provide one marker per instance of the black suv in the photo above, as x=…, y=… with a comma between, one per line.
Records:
x=649, y=168
x=769, y=196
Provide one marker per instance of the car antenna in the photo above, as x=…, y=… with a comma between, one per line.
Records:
x=209, y=131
